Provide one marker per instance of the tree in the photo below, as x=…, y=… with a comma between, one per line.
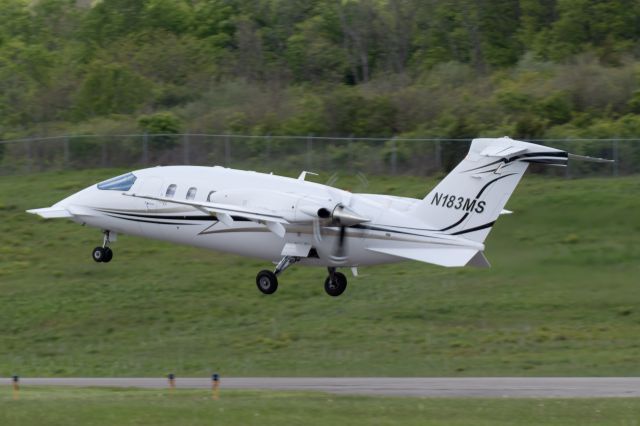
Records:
x=358, y=20
x=111, y=88
x=162, y=125
x=312, y=55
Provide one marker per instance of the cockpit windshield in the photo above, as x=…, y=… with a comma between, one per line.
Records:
x=118, y=183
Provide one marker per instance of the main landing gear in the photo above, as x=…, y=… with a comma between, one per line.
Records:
x=267, y=281
x=104, y=253
x=336, y=283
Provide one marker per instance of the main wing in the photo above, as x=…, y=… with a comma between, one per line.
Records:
x=226, y=212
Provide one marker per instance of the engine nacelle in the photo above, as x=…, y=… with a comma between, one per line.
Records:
x=338, y=215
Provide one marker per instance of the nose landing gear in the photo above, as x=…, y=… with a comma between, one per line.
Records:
x=103, y=254
x=267, y=281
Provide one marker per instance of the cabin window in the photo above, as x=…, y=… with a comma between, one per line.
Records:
x=210, y=196
x=171, y=191
x=118, y=183
x=191, y=193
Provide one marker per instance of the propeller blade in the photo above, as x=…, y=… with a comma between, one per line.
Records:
x=339, y=254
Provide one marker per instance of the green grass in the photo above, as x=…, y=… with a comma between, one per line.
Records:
x=64, y=406
x=562, y=297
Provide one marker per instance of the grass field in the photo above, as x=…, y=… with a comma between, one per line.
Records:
x=96, y=407
x=562, y=297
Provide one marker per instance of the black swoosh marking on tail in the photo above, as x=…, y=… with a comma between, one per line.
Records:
x=476, y=228
x=562, y=154
x=506, y=160
x=488, y=164
x=490, y=182
x=477, y=197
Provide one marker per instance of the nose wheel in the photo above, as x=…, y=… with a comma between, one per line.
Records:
x=103, y=254
x=267, y=282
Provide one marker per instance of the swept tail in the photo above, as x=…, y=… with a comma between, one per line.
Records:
x=468, y=201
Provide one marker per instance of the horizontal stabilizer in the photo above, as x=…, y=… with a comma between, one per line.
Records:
x=443, y=256
x=51, y=212
x=502, y=150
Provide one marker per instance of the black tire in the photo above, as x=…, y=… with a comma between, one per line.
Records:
x=267, y=282
x=337, y=287
x=108, y=255
x=98, y=254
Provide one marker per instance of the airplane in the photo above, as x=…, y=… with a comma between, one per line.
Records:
x=291, y=221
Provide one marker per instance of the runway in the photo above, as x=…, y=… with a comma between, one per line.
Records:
x=478, y=387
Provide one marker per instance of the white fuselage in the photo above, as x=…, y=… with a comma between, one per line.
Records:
x=389, y=225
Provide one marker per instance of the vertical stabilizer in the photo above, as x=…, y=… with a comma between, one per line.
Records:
x=468, y=200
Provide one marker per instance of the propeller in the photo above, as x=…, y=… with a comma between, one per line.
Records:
x=339, y=216
x=340, y=252
x=343, y=217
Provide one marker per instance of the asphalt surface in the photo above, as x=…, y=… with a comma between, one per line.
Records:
x=485, y=387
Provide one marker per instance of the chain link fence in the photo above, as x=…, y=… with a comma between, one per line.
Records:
x=282, y=154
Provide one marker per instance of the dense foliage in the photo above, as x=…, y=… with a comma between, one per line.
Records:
x=528, y=68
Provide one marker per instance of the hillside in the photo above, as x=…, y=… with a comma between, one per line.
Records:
x=561, y=298
x=449, y=69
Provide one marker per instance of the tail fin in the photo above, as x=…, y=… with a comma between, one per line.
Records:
x=469, y=199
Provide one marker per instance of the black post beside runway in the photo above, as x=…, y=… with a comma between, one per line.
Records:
x=215, y=386
x=172, y=381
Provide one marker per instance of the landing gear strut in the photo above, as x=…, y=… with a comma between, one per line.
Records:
x=104, y=253
x=336, y=283
x=267, y=281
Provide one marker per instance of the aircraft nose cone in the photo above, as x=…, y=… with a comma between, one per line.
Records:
x=79, y=198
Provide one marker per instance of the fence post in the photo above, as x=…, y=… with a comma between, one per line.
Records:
x=145, y=148
x=268, y=150
x=394, y=156
x=616, y=157
x=185, y=148
x=66, y=152
x=309, y=152
x=567, y=171
x=350, y=152
x=103, y=158
x=27, y=146
x=438, y=156
x=227, y=151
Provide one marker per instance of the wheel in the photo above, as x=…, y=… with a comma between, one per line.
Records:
x=338, y=286
x=108, y=255
x=267, y=282
x=98, y=254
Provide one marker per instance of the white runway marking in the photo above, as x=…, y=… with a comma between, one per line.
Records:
x=485, y=387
